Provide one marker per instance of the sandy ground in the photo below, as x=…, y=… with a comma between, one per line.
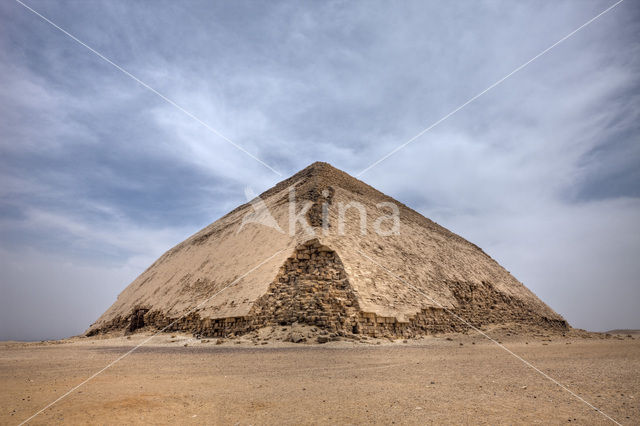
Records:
x=446, y=379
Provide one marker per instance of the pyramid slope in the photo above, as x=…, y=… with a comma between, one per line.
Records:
x=444, y=270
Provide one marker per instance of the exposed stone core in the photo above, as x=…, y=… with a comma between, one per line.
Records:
x=312, y=288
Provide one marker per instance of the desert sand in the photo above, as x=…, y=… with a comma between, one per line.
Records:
x=258, y=379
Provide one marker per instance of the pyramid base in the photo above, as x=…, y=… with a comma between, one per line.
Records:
x=430, y=321
x=312, y=288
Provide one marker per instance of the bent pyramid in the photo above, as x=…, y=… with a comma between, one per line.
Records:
x=341, y=272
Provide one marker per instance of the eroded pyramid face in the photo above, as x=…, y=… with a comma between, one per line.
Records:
x=324, y=249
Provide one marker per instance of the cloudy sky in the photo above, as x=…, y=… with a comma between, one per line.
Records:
x=99, y=175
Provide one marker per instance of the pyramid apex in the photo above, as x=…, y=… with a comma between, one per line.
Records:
x=319, y=167
x=319, y=174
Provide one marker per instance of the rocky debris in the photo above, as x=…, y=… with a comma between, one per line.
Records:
x=296, y=337
x=136, y=321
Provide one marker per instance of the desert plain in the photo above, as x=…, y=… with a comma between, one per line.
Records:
x=262, y=379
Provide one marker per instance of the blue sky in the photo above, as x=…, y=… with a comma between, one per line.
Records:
x=99, y=176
